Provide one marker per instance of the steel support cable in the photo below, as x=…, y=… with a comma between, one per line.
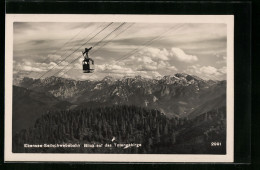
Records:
x=145, y=44
x=93, y=46
x=109, y=34
x=97, y=50
x=83, y=39
x=112, y=39
x=64, y=45
x=91, y=32
x=76, y=50
x=103, y=44
x=150, y=42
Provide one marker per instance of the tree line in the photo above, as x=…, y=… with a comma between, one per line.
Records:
x=128, y=124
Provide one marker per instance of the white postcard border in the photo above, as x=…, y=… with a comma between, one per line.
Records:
x=39, y=157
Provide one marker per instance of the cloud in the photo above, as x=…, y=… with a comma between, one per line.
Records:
x=120, y=71
x=151, y=59
x=223, y=70
x=113, y=68
x=88, y=77
x=146, y=68
x=149, y=63
x=53, y=57
x=155, y=53
x=180, y=55
x=172, y=68
x=30, y=68
x=99, y=58
x=207, y=72
x=27, y=66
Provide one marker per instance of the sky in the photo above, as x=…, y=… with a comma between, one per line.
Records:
x=151, y=50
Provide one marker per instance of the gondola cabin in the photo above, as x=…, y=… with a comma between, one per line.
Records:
x=87, y=67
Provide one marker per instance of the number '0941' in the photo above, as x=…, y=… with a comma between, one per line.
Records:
x=215, y=143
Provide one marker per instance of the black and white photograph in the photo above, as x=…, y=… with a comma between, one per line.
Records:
x=126, y=88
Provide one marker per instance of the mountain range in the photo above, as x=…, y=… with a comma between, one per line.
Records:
x=179, y=95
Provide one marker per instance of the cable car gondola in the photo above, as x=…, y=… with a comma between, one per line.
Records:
x=87, y=66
